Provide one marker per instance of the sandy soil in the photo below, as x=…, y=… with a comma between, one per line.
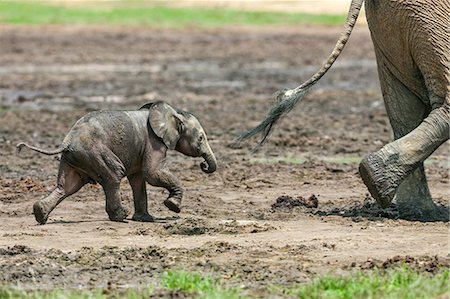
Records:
x=245, y=223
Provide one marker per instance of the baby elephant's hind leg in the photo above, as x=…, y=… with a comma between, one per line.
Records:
x=114, y=208
x=69, y=182
x=137, y=183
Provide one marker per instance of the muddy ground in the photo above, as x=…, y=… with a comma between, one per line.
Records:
x=245, y=223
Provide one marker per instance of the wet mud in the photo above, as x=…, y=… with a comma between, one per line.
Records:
x=287, y=203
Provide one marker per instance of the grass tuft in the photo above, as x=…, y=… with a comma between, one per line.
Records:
x=187, y=282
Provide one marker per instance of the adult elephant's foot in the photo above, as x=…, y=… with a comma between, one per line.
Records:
x=424, y=213
x=118, y=214
x=385, y=175
x=143, y=217
x=414, y=201
x=40, y=212
x=380, y=177
x=173, y=204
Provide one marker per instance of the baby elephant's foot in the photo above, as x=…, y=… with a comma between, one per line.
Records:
x=173, y=204
x=119, y=214
x=40, y=213
x=143, y=217
x=380, y=178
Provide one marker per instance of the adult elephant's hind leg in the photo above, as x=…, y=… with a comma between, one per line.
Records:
x=137, y=183
x=397, y=169
x=69, y=182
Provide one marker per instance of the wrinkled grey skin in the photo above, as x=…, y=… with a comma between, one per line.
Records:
x=412, y=44
x=105, y=146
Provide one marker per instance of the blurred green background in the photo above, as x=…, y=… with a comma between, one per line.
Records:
x=160, y=14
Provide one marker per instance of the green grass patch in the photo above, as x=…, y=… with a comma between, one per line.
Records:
x=187, y=282
x=26, y=13
x=401, y=283
x=198, y=286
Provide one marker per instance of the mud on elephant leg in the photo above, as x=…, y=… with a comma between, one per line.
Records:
x=137, y=183
x=114, y=208
x=165, y=179
x=69, y=182
x=391, y=170
x=384, y=171
x=43, y=208
x=414, y=200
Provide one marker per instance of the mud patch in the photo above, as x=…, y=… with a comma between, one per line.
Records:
x=431, y=264
x=287, y=203
x=13, y=191
x=113, y=267
x=368, y=209
x=28, y=184
x=169, y=294
x=197, y=226
x=243, y=227
x=88, y=268
x=15, y=250
x=187, y=227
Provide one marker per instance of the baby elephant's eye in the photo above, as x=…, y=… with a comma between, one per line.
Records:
x=200, y=139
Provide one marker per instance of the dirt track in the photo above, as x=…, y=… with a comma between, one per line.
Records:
x=49, y=77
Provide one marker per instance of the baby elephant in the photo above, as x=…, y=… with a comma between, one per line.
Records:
x=105, y=146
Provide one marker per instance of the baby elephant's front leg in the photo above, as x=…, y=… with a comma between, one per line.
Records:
x=163, y=178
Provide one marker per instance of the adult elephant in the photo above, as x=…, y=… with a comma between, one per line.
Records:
x=412, y=45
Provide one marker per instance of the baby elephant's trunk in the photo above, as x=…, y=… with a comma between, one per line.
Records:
x=210, y=163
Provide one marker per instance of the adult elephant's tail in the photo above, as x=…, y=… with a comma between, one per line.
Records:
x=288, y=98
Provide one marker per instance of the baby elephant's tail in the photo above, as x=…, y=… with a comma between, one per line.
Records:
x=54, y=152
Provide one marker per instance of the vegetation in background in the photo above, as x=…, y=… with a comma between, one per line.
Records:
x=43, y=13
x=401, y=283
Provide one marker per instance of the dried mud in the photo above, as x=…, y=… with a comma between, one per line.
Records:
x=228, y=226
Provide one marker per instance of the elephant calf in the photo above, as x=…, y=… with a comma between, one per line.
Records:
x=105, y=146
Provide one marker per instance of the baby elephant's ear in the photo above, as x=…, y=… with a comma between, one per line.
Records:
x=166, y=123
